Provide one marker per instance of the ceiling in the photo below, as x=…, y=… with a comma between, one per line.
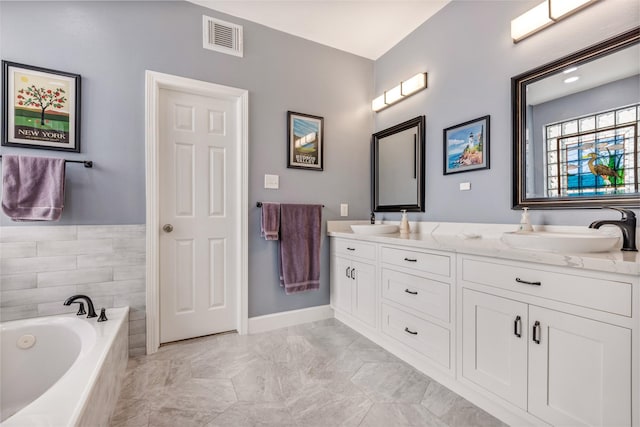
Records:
x=367, y=28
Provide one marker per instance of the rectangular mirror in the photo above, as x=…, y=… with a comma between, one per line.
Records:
x=575, y=128
x=398, y=167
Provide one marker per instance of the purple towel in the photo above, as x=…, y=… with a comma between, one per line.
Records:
x=270, y=222
x=300, y=247
x=32, y=188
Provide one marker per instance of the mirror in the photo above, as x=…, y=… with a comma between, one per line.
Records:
x=398, y=167
x=575, y=128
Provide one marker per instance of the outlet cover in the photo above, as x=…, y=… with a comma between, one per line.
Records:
x=465, y=186
x=344, y=209
x=271, y=182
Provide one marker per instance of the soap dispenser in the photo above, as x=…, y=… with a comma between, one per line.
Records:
x=404, y=223
x=525, y=223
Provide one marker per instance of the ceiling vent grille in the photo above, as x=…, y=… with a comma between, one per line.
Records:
x=221, y=36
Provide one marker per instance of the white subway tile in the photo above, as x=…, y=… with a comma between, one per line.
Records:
x=75, y=277
x=35, y=233
x=104, y=260
x=112, y=288
x=111, y=232
x=74, y=247
x=17, y=250
x=37, y=265
x=18, y=281
x=35, y=296
x=18, y=312
x=133, y=245
x=127, y=272
x=134, y=300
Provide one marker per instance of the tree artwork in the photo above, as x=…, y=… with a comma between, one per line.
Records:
x=41, y=98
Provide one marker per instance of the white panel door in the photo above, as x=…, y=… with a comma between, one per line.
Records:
x=494, y=345
x=364, y=292
x=198, y=157
x=579, y=370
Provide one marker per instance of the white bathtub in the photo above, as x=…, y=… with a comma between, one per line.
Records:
x=71, y=372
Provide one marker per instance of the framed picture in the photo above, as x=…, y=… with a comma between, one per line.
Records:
x=40, y=107
x=305, y=142
x=466, y=146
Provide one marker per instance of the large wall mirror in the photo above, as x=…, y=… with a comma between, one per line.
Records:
x=398, y=167
x=575, y=128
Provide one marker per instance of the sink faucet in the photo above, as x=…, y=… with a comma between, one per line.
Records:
x=627, y=224
x=92, y=311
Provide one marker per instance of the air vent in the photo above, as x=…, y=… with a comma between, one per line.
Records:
x=221, y=36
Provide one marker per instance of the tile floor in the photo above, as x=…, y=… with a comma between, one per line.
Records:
x=318, y=374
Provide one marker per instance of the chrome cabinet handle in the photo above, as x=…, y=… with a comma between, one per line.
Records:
x=353, y=274
x=168, y=228
x=537, y=334
x=411, y=259
x=519, y=280
x=517, y=327
x=348, y=272
x=407, y=330
x=411, y=292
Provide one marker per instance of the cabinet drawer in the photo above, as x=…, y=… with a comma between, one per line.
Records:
x=424, y=295
x=355, y=248
x=425, y=337
x=430, y=263
x=600, y=294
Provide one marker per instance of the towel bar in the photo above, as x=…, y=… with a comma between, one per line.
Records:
x=87, y=163
x=259, y=205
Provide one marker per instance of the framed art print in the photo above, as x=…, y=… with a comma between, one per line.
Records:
x=466, y=146
x=41, y=108
x=305, y=142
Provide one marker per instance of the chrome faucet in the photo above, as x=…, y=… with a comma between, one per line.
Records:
x=627, y=224
x=92, y=311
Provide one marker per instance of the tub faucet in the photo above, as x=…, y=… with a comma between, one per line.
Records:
x=92, y=311
x=627, y=224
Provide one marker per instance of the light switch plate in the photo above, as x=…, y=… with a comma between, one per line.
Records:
x=344, y=209
x=271, y=181
x=465, y=186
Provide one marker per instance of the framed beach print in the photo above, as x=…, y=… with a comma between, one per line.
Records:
x=466, y=146
x=305, y=141
x=40, y=108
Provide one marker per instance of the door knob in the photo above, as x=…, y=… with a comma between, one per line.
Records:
x=167, y=228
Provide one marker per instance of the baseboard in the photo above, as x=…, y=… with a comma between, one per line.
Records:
x=285, y=319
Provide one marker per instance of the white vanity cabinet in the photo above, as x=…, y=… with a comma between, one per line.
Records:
x=353, y=279
x=560, y=362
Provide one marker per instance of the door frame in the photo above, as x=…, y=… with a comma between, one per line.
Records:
x=155, y=81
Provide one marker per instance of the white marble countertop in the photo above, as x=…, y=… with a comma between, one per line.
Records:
x=485, y=241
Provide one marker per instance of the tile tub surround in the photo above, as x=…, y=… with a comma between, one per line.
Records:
x=315, y=374
x=461, y=238
x=41, y=266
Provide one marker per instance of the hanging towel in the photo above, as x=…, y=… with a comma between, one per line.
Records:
x=270, y=222
x=32, y=188
x=300, y=247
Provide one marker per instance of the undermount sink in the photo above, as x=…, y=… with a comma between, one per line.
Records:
x=587, y=240
x=374, y=228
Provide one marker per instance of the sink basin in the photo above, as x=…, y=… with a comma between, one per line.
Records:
x=587, y=240
x=374, y=228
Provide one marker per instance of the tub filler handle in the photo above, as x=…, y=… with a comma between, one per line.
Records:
x=103, y=316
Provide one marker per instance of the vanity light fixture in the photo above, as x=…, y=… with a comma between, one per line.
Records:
x=400, y=92
x=541, y=16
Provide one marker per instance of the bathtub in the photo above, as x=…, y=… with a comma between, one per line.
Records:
x=62, y=370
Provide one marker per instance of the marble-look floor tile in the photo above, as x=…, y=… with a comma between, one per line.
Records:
x=245, y=414
x=171, y=417
x=197, y=395
x=401, y=415
x=463, y=414
x=392, y=382
x=438, y=399
x=130, y=412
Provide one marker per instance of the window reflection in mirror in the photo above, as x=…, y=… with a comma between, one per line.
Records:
x=576, y=124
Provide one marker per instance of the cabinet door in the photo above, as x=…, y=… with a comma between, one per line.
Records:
x=364, y=292
x=579, y=370
x=494, y=345
x=342, y=283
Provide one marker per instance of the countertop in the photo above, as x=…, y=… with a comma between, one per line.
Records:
x=484, y=240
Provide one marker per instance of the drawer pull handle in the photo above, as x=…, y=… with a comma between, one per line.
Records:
x=411, y=292
x=407, y=330
x=348, y=272
x=351, y=249
x=517, y=327
x=353, y=274
x=411, y=259
x=519, y=280
x=536, y=332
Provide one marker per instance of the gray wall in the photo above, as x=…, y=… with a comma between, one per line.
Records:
x=602, y=98
x=111, y=44
x=467, y=51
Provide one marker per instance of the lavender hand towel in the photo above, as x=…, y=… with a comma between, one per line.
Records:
x=300, y=247
x=32, y=188
x=270, y=222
